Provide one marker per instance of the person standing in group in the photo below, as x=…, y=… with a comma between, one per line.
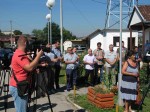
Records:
x=99, y=55
x=124, y=52
x=77, y=63
x=57, y=66
x=21, y=66
x=111, y=59
x=138, y=56
x=50, y=71
x=71, y=72
x=89, y=61
x=75, y=51
x=130, y=80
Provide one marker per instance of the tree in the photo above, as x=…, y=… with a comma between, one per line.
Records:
x=39, y=34
x=1, y=34
x=56, y=33
x=17, y=32
x=43, y=34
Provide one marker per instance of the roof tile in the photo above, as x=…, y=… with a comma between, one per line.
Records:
x=145, y=11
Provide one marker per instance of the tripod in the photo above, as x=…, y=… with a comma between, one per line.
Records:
x=36, y=86
x=4, y=86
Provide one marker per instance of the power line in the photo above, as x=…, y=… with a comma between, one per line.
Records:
x=99, y=2
x=84, y=17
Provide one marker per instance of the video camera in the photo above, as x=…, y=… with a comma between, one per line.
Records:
x=34, y=45
x=44, y=59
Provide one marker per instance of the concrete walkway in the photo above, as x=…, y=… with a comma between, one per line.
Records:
x=58, y=100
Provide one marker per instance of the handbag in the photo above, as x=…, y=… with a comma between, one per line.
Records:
x=138, y=98
x=22, y=86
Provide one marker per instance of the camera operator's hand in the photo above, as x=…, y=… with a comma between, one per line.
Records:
x=39, y=53
x=29, y=67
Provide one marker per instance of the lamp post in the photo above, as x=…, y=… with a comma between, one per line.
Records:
x=120, y=103
x=48, y=17
x=50, y=4
x=61, y=26
x=11, y=32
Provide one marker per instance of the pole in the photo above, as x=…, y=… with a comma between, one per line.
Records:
x=61, y=26
x=48, y=32
x=120, y=63
x=11, y=31
x=109, y=13
x=51, y=26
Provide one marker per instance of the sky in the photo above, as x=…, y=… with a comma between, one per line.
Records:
x=81, y=17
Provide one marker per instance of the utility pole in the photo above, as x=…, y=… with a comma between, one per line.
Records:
x=137, y=2
x=113, y=10
x=120, y=63
x=61, y=26
x=11, y=31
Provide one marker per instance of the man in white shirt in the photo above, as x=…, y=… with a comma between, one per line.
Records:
x=111, y=59
x=89, y=61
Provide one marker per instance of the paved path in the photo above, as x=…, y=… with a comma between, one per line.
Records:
x=58, y=100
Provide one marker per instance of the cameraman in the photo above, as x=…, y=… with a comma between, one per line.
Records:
x=21, y=66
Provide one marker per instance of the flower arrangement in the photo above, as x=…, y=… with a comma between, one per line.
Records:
x=101, y=89
x=114, y=90
x=100, y=96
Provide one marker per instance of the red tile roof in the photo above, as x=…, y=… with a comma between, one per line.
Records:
x=145, y=11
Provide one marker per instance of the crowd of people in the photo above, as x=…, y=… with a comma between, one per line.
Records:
x=95, y=61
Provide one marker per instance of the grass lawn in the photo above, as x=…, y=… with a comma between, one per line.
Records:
x=82, y=101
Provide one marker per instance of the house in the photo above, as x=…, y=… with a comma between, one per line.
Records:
x=8, y=32
x=140, y=21
x=110, y=36
x=79, y=44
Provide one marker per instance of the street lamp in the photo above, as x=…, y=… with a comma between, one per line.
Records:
x=48, y=17
x=61, y=26
x=50, y=4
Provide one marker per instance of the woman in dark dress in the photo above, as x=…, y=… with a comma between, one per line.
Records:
x=130, y=80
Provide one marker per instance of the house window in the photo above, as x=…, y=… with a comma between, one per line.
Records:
x=116, y=41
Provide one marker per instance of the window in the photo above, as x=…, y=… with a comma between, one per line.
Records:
x=116, y=41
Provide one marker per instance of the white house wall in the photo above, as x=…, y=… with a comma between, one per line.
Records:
x=108, y=39
x=95, y=40
x=135, y=18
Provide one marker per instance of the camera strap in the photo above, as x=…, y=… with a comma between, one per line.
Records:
x=14, y=76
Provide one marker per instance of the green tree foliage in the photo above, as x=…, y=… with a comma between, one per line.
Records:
x=43, y=34
x=17, y=32
x=67, y=35
x=55, y=32
x=1, y=33
x=39, y=34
